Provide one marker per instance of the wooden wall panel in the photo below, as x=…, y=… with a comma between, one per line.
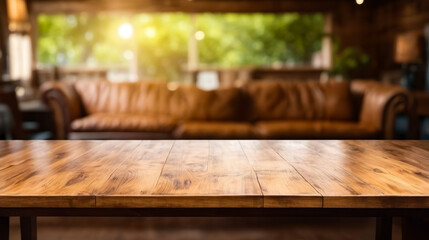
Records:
x=374, y=28
x=353, y=26
x=391, y=19
x=51, y=6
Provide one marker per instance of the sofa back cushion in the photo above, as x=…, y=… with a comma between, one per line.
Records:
x=215, y=105
x=125, y=97
x=293, y=100
x=182, y=103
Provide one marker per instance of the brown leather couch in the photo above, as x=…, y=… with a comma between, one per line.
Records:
x=257, y=110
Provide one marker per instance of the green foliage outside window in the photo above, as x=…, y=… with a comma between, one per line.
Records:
x=161, y=40
x=234, y=40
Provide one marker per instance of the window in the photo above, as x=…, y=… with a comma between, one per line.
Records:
x=164, y=45
x=234, y=40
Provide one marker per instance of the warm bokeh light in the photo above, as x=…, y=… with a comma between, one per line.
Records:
x=128, y=54
x=199, y=35
x=89, y=36
x=125, y=31
x=16, y=10
x=359, y=2
x=150, y=32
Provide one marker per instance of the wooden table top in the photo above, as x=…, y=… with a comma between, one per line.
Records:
x=214, y=174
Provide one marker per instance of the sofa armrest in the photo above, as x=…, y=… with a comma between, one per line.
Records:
x=381, y=103
x=65, y=103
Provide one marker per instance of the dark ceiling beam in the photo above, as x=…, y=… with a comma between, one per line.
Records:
x=192, y=6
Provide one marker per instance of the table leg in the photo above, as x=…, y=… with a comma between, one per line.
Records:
x=28, y=228
x=415, y=228
x=4, y=227
x=384, y=228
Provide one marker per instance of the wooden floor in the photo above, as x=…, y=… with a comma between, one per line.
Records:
x=202, y=228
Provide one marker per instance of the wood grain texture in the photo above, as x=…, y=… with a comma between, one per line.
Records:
x=360, y=174
x=35, y=175
x=281, y=184
x=219, y=6
x=214, y=174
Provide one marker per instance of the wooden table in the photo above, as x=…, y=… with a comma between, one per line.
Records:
x=213, y=178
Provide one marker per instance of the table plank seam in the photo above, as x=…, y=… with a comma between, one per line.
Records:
x=163, y=166
x=315, y=189
x=94, y=193
x=121, y=163
x=325, y=196
x=256, y=174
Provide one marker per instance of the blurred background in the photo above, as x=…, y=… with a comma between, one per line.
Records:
x=209, y=44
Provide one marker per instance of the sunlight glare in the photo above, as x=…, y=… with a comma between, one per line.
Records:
x=125, y=31
x=150, y=32
x=199, y=35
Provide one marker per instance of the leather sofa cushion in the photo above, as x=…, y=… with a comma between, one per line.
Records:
x=215, y=105
x=313, y=130
x=123, y=122
x=158, y=98
x=292, y=100
x=152, y=98
x=214, y=130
